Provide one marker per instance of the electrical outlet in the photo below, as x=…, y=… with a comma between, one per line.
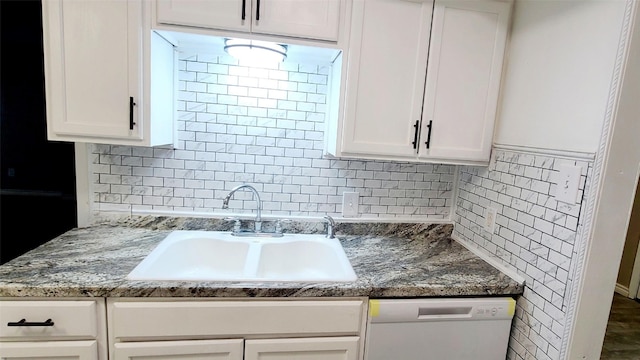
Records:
x=490, y=219
x=350, y=202
x=568, y=183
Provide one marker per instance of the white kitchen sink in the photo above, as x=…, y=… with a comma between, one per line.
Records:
x=299, y=258
x=219, y=256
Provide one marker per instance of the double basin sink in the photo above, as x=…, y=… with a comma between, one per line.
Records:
x=219, y=256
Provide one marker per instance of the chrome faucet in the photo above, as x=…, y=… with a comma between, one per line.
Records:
x=331, y=227
x=256, y=196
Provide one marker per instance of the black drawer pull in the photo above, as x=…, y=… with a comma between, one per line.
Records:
x=258, y=11
x=24, y=322
x=415, y=134
x=244, y=9
x=131, y=105
x=428, y=142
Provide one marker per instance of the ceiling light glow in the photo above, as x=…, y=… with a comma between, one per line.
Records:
x=255, y=50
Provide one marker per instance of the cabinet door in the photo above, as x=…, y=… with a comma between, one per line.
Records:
x=463, y=79
x=317, y=19
x=218, y=14
x=176, y=350
x=385, y=76
x=93, y=66
x=338, y=348
x=54, y=350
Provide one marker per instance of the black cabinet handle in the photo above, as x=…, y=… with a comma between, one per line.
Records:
x=429, y=133
x=258, y=11
x=244, y=9
x=415, y=134
x=24, y=322
x=131, y=105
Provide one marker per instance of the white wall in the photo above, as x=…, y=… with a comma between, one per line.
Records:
x=556, y=88
x=620, y=170
x=559, y=70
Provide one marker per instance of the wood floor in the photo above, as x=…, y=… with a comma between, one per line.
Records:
x=622, y=339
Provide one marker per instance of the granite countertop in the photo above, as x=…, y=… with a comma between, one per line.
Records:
x=391, y=260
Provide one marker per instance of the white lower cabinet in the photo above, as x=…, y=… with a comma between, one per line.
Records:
x=53, y=329
x=191, y=350
x=330, y=348
x=324, y=348
x=185, y=328
x=54, y=350
x=255, y=329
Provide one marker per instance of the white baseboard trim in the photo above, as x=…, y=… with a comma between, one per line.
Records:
x=512, y=273
x=622, y=290
x=572, y=155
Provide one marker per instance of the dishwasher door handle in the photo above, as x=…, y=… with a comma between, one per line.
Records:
x=457, y=311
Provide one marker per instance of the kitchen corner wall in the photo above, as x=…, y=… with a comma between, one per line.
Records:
x=534, y=234
x=263, y=126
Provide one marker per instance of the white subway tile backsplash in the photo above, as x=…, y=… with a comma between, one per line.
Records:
x=263, y=126
x=534, y=234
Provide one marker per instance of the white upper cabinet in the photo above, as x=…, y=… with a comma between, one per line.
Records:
x=422, y=80
x=386, y=72
x=219, y=14
x=315, y=19
x=98, y=73
x=308, y=19
x=463, y=79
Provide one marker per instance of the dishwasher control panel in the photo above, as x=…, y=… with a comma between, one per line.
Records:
x=437, y=309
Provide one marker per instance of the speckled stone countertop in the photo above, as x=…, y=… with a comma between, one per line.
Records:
x=391, y=260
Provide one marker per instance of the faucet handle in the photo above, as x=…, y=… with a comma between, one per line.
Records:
x=279, y=223
x=236, y=224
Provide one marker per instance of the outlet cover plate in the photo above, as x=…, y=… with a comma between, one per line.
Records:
x=490, y=219
x=350, y=202
x=568, y=183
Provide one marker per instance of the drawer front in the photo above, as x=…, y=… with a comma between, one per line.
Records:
x=326, y=348
x=49, y=350
x=71, y=319
x=228, y=349
x=201, y=319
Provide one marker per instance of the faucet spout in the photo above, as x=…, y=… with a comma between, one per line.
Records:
x=331, y=227
x=256, y=196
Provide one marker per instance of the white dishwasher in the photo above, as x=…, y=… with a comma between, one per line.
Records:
x=439, y=329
